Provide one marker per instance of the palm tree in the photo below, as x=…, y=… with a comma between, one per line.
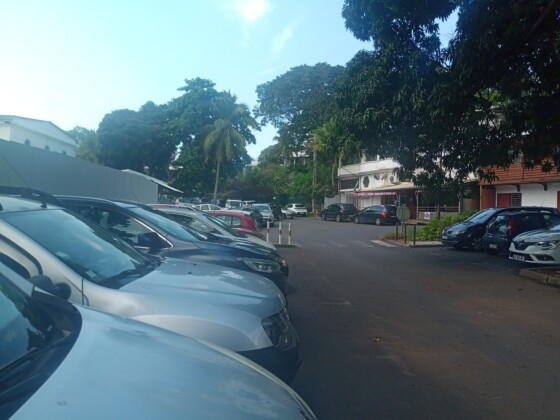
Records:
x=222, y=140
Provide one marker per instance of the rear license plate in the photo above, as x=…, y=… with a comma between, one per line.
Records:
x=518, y=257
x=492, y=246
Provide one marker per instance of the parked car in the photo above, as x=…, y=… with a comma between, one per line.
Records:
x=469, y=233
x=506, y=225
x=208, y=206
x=537, y=246
x=381, y=214
x=266, y=211
x=90, y=266
x=156, y=233
x=206, y=223
x=234, y=204
x=59, y=360
x=339, y=212
x=240, y=222
x=287, y=213
x=298, y=209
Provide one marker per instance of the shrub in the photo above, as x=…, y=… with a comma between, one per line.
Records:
x=431, y=231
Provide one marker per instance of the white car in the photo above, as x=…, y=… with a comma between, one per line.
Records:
x=537, y=246
x=207, y=207
x=287, y=213
x=298, y=209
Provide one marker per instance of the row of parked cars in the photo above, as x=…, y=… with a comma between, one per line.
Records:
x=381, y=214
x=528, y=233
x=116, y=305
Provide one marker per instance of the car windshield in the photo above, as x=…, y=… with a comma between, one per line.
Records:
x=482, y=216
x=86, y=248
x=262, y=207
x=167, y=224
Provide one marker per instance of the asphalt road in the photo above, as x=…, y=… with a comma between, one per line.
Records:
x=418, y=333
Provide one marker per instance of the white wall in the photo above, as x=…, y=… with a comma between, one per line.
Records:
x=533, y=194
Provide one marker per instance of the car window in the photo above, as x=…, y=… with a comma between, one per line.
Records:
x=196, y=224
x=482, y=216
x=499, y=225
x=168, y=225
x=88, y=249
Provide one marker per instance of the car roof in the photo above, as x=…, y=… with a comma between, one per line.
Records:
x=115, y=202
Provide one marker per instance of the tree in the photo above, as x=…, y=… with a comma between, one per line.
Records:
x=226, y=137
x=450, y=112
x=137, y=140
x=88, y=143
x=298, y=101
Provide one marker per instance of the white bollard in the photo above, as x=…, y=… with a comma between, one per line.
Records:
x=279, y=233
x=267, y=230
x=289, y=233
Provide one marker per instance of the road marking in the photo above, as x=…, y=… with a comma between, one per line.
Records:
x=399, y=362
x=362, y=244
x=338, y=244
x=383, y=243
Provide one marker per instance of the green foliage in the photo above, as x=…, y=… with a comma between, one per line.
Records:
x=431, y=231
x=88, y=143
x=299, y=101
x=492, y=94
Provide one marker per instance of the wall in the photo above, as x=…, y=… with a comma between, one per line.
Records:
x=24, y=166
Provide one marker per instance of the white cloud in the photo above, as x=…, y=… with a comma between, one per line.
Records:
x=280, y=40
x=250, y=10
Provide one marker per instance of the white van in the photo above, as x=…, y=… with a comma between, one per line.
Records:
x=234, y=204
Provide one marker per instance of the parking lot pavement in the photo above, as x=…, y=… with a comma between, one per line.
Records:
x=547, y=275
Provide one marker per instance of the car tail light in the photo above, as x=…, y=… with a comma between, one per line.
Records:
x=383, y=214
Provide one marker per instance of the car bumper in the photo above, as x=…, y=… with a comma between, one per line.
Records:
x=453, y=240
x=283, y=363
x=536, y=257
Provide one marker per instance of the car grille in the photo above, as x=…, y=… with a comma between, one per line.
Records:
x=521, y=245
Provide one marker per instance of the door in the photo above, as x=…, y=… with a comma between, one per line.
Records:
x=503, y=200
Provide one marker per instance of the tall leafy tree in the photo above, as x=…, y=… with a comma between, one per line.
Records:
x=137, y=140
x=453, y=111
x=226, y=138
x=298, y=101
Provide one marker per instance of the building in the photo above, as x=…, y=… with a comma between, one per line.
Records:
x=519, y=186
x=37, y=133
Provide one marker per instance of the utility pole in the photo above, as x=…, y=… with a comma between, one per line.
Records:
x=314, y=179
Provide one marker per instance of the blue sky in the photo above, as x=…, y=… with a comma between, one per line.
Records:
x=71, y=62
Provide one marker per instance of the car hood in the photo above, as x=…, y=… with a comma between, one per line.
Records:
x=459, y=226
x=239, y=244
x=538, y=236
x=118, y=367
x=202, y=282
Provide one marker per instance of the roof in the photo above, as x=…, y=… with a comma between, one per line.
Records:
x=161, y=183
x=39, y=126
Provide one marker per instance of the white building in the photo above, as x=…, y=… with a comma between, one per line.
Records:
x=37, y=133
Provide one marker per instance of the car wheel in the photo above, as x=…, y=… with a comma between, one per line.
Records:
x=475, y=243
x=378, y=221
x=338, y=218
x=324, y=217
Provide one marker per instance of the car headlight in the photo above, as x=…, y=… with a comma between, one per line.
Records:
x=262, y=266
x=277, y=327
x=548, y=244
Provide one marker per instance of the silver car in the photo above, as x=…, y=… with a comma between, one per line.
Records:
x=59, y=360
x=206, y=223
x=87, y=265
x=266, y=211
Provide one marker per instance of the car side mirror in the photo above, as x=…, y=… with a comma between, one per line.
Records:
x=150, y=240
x=45, y=283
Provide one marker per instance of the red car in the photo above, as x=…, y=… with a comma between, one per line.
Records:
x=238, y=221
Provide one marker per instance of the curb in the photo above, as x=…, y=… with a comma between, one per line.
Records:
x=548, y=276
x=419, y=244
